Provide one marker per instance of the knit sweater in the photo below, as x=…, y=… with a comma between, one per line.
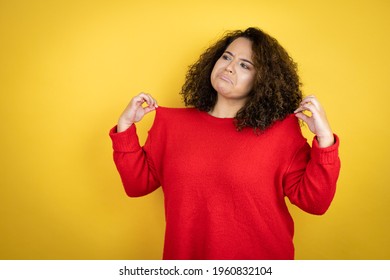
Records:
x=224, y=190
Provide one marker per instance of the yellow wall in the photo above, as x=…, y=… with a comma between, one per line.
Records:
x=68, y=68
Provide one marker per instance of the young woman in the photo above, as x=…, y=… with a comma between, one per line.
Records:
x=227, y=162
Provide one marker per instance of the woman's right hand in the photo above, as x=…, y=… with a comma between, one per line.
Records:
x=134, y=111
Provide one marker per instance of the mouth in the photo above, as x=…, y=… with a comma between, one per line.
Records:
x=226, y=79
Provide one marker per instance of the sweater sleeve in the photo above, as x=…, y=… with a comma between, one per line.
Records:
x=133, y=162
x=310, y=181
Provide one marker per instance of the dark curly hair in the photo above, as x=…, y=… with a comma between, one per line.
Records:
x=276, y=92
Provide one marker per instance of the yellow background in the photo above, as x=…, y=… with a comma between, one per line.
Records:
x=68, y=69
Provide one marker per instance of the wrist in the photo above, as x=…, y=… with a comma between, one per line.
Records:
x=325, y=141
x=123, y=126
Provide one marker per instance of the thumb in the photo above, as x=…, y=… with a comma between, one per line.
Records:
x=149, y=109
x=302, y=117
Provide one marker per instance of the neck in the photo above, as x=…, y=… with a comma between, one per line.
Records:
x=225, y=109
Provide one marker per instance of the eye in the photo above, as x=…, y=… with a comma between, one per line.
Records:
x=226, y=57
x=244, y=65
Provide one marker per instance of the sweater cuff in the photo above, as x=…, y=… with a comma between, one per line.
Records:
x=328, y=155
x=125, y=141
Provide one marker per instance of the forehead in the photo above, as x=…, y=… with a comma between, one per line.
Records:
x=241, y=46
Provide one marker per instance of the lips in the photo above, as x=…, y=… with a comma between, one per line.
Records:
x=225, y=78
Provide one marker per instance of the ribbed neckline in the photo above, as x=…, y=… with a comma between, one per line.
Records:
x=210, y=118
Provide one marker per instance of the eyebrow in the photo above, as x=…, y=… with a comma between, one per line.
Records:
x=243, y=59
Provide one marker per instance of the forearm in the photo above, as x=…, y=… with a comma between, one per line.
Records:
x=123, y=125
x=312, y=185
x=132, y=163
x=325, y=141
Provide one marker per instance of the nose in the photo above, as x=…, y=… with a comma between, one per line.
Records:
x=229, y=67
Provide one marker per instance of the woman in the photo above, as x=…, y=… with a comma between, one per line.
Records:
x=228, y=161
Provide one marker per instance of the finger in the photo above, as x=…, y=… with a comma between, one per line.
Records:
x=150, y=101
x=145, y=97
x=149, y=109
x=313, y=100
x=311, y=96
x=307, y=107
x=153, y=102
x=303, y=117
x=302, y=108
x=299, y=109
x=141, y=98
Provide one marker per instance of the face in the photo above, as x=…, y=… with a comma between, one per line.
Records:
x=234, y=73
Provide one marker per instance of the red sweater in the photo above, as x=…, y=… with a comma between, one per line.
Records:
x=225, y=190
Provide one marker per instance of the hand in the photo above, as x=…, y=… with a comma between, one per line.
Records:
x=317, y=122
x=134, y=112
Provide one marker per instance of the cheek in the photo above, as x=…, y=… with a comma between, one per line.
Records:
x=216, y=70
x=213, y=73
x=217, y=66
x=248, y=80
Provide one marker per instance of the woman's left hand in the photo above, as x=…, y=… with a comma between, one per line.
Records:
x=317, y=122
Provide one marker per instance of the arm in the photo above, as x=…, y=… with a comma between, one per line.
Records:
x=318, y=122
x=310, y=181
x=134, y=112
x=134, y=163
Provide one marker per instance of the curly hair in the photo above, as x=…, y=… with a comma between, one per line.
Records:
x=276, y=92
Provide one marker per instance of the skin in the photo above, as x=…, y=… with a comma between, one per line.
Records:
x=317, y=122
x=232, y=78
x=135, y=110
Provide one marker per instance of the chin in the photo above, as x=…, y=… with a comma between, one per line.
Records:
x=222, y=89
x=224, y=92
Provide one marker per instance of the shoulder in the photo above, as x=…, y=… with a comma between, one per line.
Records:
x=288, y=129
x=175, y=114
x=163, y=112
x=174, y=117
x=291, y=122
